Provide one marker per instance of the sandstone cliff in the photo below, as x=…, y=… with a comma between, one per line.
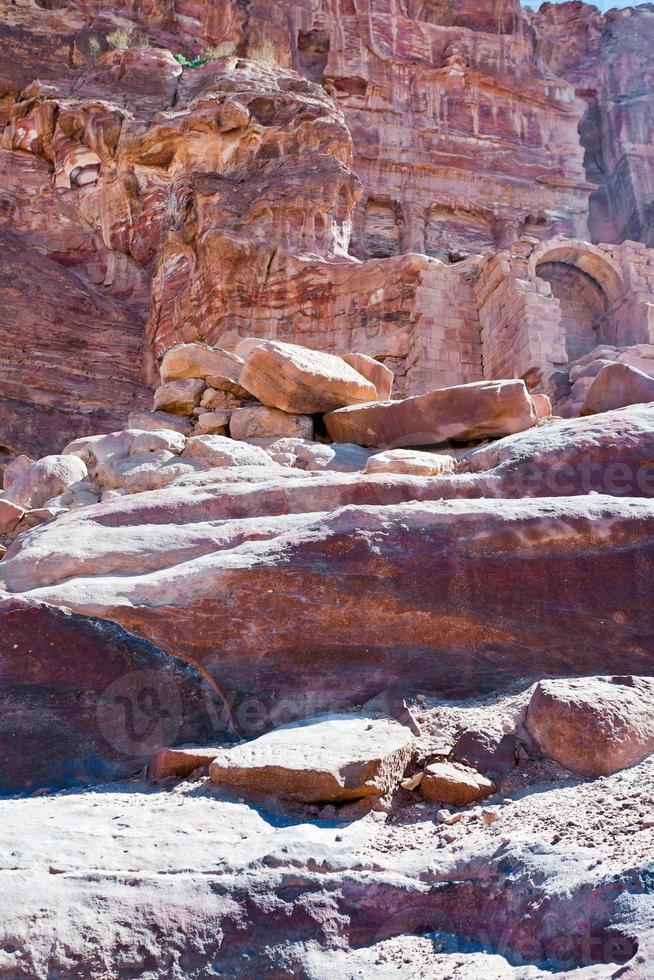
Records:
x=327, y=508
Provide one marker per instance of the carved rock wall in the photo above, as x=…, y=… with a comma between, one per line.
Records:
x=610, y=60
x=320, y=179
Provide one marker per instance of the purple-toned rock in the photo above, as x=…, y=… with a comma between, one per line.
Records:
x=83, y=700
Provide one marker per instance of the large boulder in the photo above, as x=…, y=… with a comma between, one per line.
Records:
x=594, y=725
x=83, y=700
x=331, y=758
x=199, y=361
x=334, y=586
x=216, y=450
x=302, y=381
x=259, y=422
x=179, y=397
x=376, y=372
x=463, y=413
x=46, y=478
x=617, y=386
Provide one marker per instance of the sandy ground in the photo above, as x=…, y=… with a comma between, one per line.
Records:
x=179, y=880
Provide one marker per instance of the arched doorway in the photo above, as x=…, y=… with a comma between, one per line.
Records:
x=587, y=284
x=583, y=306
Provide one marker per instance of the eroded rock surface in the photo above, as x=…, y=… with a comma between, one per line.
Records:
x=342, y=609
x=394, y=198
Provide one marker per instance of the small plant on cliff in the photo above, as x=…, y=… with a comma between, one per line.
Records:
x=210, y=54
x=262, y=52
x=222, y=50
x=122, y=39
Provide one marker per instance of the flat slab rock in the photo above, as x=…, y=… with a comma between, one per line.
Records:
x=330, y=758
x=341, y=586
x=411, y=462
x=475, y=411
x=302, y=381
x=594, y=725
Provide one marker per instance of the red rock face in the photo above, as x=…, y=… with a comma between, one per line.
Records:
x=71, y=359
x=412, y=182
x=610, y=59
x=84, y=700
x=231, y=199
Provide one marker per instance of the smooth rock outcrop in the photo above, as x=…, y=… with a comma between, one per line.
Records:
x=594, y=725
x=450, y=782
x=302, y=381
x=44, y=479
x=617, y=386
x=464, y=413
x=331, y=758
x=84, y=700
x=354, y=597
x=612, y=453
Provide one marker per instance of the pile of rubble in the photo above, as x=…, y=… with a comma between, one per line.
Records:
x=272, y=405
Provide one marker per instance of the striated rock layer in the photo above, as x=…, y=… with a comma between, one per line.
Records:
x=314, y=591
